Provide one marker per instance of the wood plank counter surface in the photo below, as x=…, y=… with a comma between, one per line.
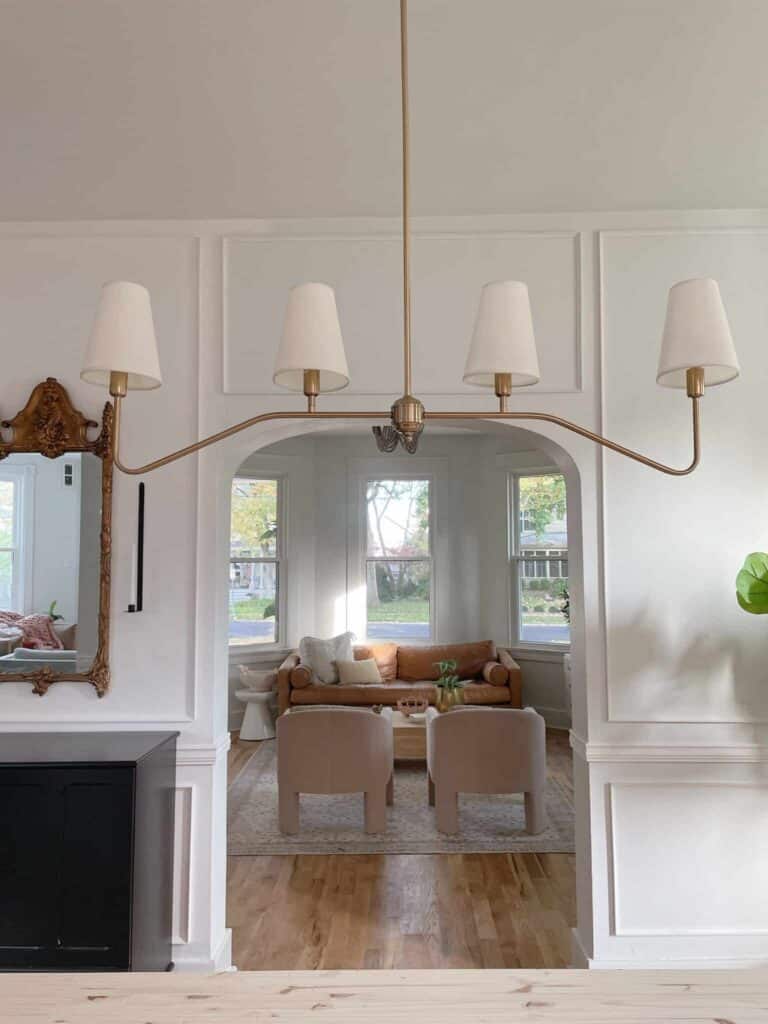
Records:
x=394, y=997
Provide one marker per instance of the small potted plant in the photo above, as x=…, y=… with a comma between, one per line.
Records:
x=449, y=691
x=752, y=584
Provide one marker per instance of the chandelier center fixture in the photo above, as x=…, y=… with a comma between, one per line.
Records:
x=696, y=350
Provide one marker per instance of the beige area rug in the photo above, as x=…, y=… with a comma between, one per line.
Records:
x=334, y=824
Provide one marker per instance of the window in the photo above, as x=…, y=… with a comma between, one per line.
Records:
x=539, y=559
x=254, y=561
x=9, y=545
x=16, y=537
x=398, y=563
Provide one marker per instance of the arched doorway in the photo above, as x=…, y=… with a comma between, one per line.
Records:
x=552, y=457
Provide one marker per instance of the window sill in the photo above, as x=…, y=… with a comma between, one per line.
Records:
x=539, y=652
x=255, y=654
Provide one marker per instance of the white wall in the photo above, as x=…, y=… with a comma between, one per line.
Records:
x=325, y=478
x=669, y=681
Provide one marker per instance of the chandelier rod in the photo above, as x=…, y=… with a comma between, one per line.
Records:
x=447, y=416
x=406, y=196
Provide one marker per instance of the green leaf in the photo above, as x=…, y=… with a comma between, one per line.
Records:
x=752, y=584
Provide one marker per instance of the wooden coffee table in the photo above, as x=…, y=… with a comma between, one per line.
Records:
x=410, y=738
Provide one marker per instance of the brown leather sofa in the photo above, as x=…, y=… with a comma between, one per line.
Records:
x=489, y=676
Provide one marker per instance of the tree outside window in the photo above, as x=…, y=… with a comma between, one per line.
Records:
x=398, y=564
x=539, y=559
x=254, y=562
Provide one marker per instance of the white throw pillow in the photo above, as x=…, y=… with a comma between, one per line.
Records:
x=321, y=655
x=364, y=671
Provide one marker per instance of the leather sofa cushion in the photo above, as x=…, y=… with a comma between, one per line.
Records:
x=495, y=673
x=390, y=693
x=385, y=656
x=415, y=664
x=485, y=693
x=363, y=693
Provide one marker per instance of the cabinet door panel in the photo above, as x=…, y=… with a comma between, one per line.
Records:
x=95, y=881
x=28, y=865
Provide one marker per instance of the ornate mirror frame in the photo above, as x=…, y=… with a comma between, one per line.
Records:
x=51, y=426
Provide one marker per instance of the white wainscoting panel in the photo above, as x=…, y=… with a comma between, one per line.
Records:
x=679, y=649
x=182, y=852
x=50, y=285
x=687, y=858
x=365, y=270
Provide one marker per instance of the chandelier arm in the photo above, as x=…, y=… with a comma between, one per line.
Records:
x=206, y=442
x=302, y=414
x=406, y=197
x=589, y=434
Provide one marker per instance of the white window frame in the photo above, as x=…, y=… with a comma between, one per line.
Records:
x=23, y=477
x=279, y=560
x=398, y=474
x=516, y=559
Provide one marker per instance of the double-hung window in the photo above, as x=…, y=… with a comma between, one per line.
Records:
x=254, y=561
x=10, y=543
x=539, y=559
x=398, y=559
x=16, y=535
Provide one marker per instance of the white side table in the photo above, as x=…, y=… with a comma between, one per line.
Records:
x=257, y=721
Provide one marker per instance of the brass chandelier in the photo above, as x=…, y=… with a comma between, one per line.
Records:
x=697, y=349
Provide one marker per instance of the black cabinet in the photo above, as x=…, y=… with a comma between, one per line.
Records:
x=86, y=850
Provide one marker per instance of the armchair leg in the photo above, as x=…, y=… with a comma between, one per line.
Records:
x=447, y=810
x=391, y=790
x=430, y=790
x=375, y=811
x=535, y=814
x=288, y=811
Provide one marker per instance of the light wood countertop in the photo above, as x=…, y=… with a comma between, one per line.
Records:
x=394, y=997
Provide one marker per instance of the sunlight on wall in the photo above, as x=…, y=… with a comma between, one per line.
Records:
x=356, y=613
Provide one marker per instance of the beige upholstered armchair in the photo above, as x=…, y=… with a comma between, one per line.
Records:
x=335, y=750
x=486, y=750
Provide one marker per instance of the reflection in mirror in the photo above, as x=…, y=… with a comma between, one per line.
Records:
x=50, y=550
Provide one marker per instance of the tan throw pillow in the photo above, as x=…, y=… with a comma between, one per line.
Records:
x=495, y=673
x=365, y=671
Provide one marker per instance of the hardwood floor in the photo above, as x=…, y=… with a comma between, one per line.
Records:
x=311, y=912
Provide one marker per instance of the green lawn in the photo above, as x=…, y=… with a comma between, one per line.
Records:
x=408, y=609
x=250, y=609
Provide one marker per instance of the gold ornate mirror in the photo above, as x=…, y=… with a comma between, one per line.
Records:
x=55, y=543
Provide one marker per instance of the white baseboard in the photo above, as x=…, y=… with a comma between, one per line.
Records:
x=582, y=961
x=187, y=958
x=703, y=964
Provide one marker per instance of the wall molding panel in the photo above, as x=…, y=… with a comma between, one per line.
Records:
x=450, y=267
x=670, y=730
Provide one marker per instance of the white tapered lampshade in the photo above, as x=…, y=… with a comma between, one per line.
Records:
x=311, y=340
x=123, y=338
x=503, y=339
x=696, y=333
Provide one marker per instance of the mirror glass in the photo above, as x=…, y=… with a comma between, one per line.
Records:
x=50, y=550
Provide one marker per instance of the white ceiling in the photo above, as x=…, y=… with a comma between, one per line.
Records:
x=275, y=108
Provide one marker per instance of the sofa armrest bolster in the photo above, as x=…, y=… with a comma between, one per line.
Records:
x=515, y=677
x=284, y=682
x=495, y=673
x=301, y=676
